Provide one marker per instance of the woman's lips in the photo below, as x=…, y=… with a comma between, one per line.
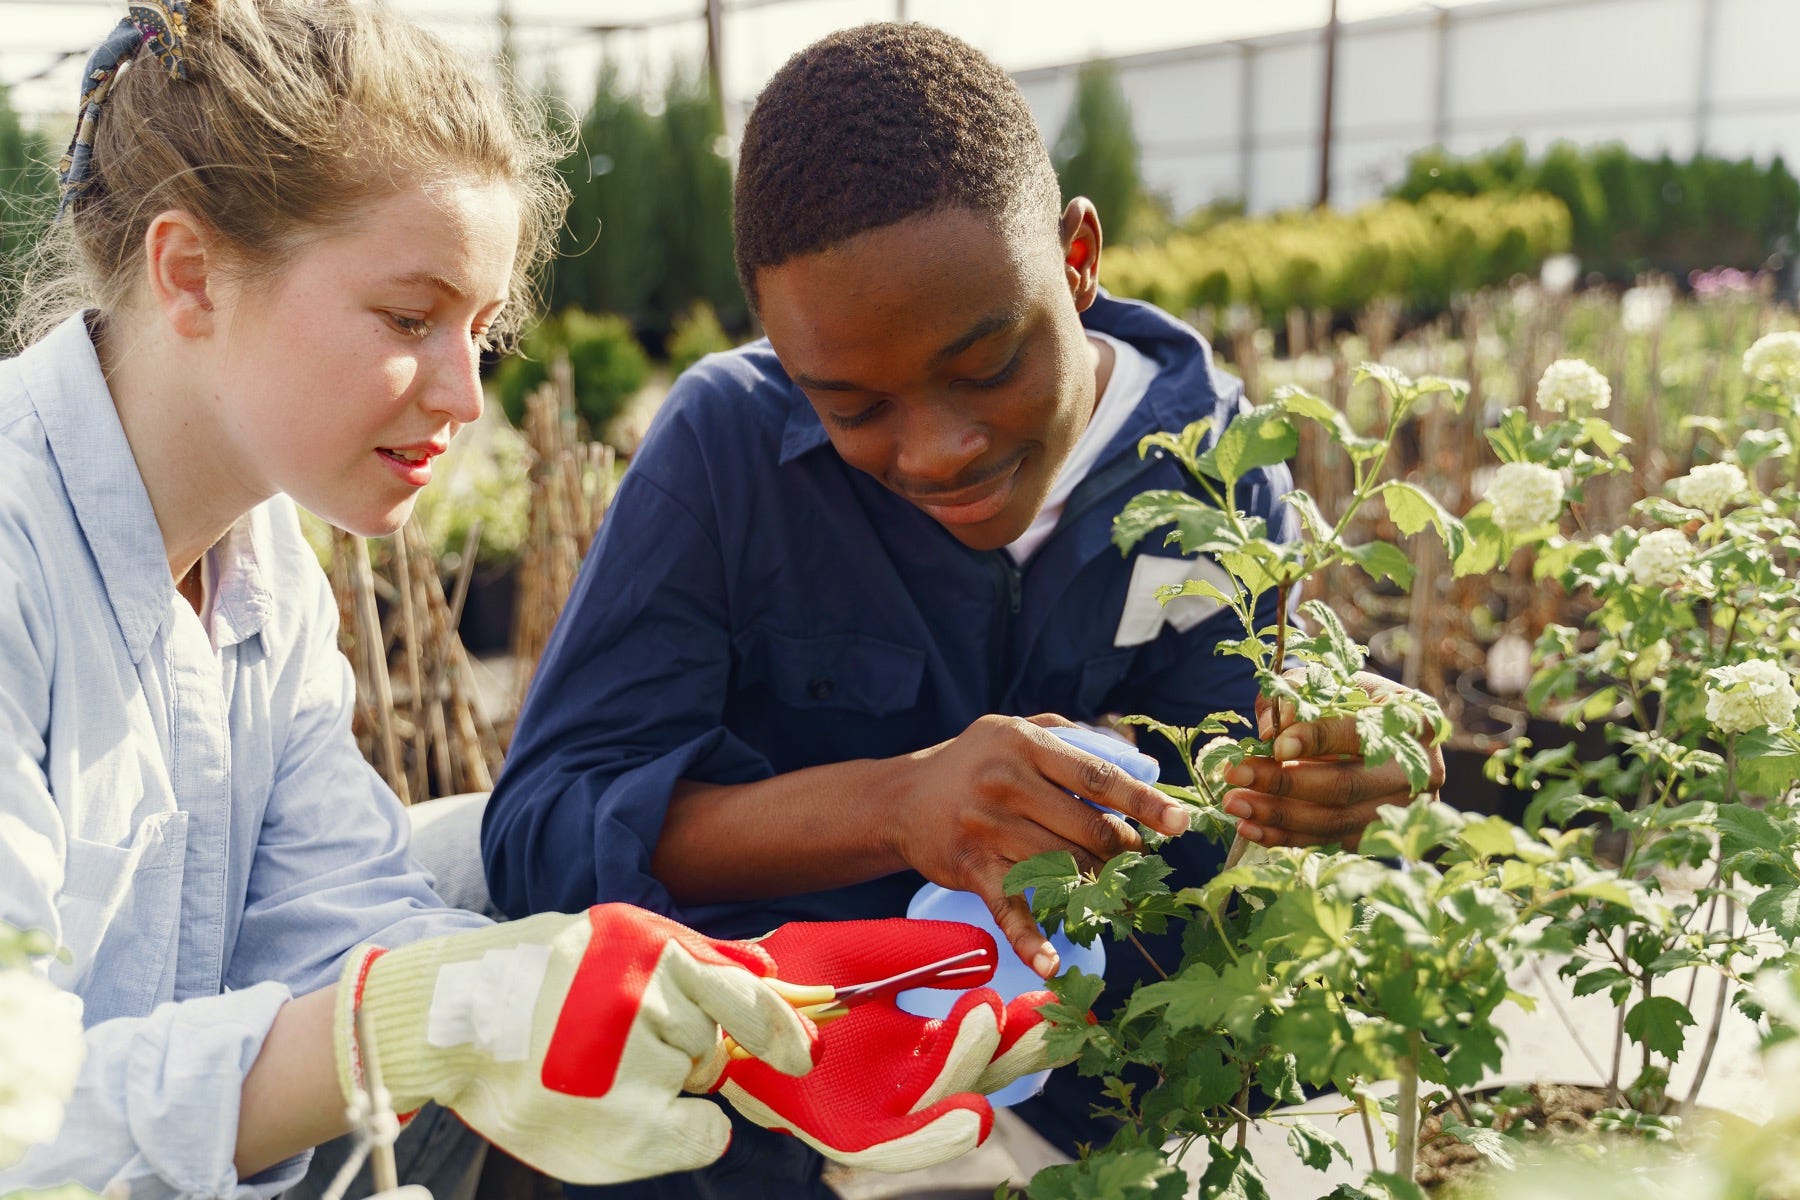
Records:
x=413, y=466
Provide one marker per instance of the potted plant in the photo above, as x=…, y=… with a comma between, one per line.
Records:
x=1272, y=991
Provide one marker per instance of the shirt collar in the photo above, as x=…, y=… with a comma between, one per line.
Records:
x=241, y=601
x=68, y=389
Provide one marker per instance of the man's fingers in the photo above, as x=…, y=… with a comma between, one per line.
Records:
x=1324, y=783
x=1107, y=784
x=1273, y=821
x=1013, y=918
x=1318, y=739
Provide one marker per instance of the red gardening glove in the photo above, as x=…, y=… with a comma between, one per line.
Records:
x=891, y=1091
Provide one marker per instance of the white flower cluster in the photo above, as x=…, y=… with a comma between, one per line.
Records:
x=1758, y=694
x=1661, y=558
x=1712, y=488
x=1525, y=495
x=1572, y=386
x=1774, y=359
x=41, y=1048
x=1645, y=308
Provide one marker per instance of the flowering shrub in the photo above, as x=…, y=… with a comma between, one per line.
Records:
x=1315, y=967
x=1525, y=496
x=1570, y=385
x=41, y=1047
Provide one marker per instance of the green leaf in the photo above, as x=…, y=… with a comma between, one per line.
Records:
x=1491, y=1144
x=1261, y=437
x=1231, y=1175
x=1658, y=1023
x=1485, y=544
x=1140, y=1173
x=1778, y=908
x=1201, y=527
x=1314, y=1147
x=1054, y=868
x=1768, y=761
x=1383, y=560
x=1758, y=444
x=1414, y=508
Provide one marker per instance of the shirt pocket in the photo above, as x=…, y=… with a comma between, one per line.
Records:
x=1099, y=676
x=849, y=671
x=120, y=908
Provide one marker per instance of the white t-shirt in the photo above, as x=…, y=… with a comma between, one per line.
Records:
x=1131, y=375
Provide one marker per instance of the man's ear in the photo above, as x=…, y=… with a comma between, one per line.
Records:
x=1081, y=251
x=181, y=269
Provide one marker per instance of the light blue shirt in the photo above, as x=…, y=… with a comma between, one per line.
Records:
x=187, y=815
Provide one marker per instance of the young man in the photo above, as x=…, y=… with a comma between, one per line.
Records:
x=857, y=568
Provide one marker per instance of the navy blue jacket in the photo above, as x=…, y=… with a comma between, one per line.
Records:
x=754, y=606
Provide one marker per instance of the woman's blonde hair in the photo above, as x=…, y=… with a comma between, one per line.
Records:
x=294, y=114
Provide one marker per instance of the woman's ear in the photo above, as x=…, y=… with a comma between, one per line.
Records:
x=1081, y=251
x=181, y=270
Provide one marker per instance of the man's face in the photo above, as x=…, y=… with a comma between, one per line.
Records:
x=945, y=356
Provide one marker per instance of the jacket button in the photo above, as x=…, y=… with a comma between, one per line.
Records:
x=821, y=689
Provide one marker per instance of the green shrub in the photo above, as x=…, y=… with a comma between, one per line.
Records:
x=606, y=364
x=696, y=334
x=1423, y=253
x=1632, y=214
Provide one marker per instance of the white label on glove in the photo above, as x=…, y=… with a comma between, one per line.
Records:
x=489, y=1002
x=1144, y=615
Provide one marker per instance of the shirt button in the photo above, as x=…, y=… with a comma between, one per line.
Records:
x=821, y=689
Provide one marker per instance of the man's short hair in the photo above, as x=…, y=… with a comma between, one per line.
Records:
x=875, y=124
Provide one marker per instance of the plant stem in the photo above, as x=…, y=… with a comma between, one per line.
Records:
x=1563, y=1015
x=1243, y=1123
x=1362, y=1110
x=1154, y=965
x=1718, y=1022
x=1406, y=1111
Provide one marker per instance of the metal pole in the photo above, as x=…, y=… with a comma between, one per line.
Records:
x=1325, y=132
x=900, y=11
x=1703, y=96
x=1246, y=122
x=1440, y=117
x=715, y=53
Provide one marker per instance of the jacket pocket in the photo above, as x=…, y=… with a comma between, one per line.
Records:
x=120, y=908
x=1099, y=676
x=849, y=671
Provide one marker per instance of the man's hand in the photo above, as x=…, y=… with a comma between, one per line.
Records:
x=1317, y=788
x=1000, y=792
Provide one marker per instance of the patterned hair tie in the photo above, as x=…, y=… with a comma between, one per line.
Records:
x=160, y=25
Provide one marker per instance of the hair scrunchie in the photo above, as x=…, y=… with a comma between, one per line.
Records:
x=160, y=25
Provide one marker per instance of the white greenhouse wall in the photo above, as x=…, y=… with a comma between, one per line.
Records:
x=1242, y=119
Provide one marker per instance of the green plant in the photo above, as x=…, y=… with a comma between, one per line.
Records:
x=1313, y=967
x=607, y=365
x=696, y=334
x=1096, y=154
x=1632, y=213
x=1424, y=254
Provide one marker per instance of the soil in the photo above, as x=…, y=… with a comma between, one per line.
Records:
x=1562, y=1112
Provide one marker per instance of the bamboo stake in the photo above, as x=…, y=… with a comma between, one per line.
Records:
x=369, y=643
x=418, y=782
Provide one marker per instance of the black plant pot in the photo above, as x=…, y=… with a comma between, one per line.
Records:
x=487, y=615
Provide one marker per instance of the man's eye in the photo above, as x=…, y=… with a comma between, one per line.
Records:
x=1000, y=377
x=855, y=419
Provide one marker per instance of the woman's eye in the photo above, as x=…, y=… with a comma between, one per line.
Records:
x=412, y=326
